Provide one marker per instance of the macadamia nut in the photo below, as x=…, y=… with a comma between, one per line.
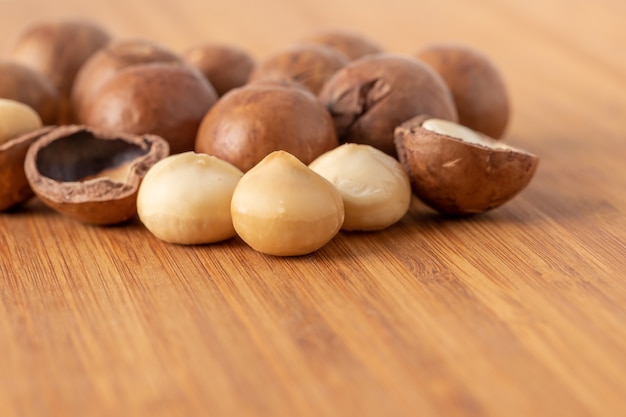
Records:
x=16, y=119
x=185, y=199
x=374, y=186
x=281, y=207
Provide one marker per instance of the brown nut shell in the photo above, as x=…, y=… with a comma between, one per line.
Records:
x=21, y=83
x=457, y=177
x=369, y=97
x=352, y=44
x=108, y=61
x=165, y=99
x=309, y=64
x=57, y=49
x=250, y=122
x=14, y=187
x=479, y=91
x=225, y=66
x=91, y=175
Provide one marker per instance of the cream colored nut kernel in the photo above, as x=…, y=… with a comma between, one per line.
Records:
x=375, y=188
x=281, y=207
x=185, y=199
x=16, y=119
x=455, y=130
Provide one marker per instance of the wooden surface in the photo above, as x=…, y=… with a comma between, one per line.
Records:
x=521, y=312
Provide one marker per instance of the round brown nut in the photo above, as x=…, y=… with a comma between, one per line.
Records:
x=14, y=187
x=108, y=61
x=479, y=91
x=20, y=126
x=458, y=171
x=91, y=175
x=309, y=64
x=369, y=97
x=165, y=99
x=57, y=50
x=21, y=83
x=225, y=66
x=352, y=44
x=250, y=122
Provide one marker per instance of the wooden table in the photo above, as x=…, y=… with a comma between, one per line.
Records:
x=520, y=312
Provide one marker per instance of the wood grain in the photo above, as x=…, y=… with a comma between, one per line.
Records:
x=520, y=312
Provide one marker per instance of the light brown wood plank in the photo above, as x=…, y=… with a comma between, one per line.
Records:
x=518, y=312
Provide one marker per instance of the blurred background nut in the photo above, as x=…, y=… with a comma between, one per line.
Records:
x=57, y=49
x=225, y=66
x=309, y=64
x=352, y=44
x=480, y=95
x=21, y=83
x=20, y=127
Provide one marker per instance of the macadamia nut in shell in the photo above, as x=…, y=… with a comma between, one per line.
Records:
x=165, y=99
x=456, y=170
x=91, y=175
x=250, y=122
x=369, y=97
x=479, y=91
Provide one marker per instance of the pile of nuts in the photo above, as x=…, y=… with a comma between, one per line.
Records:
x=331, y=133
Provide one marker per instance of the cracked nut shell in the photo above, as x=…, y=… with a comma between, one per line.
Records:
x=369, y=97
x=91, y=175
x=458, y=171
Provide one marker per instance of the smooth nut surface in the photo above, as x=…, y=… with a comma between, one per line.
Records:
x=57, y=49
x=14, y=187
x=352, y=44
x=185, y=199
x=91, y=175
x=479, y=91
x=369, y=97
x=21, y=83
x=281, y=207
x=16, y=119
x=374, y=186
x=458, y=171
x=225, y=66
x=165, y=99
x=250, y=122
x=309, y=64
x=109, y=60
